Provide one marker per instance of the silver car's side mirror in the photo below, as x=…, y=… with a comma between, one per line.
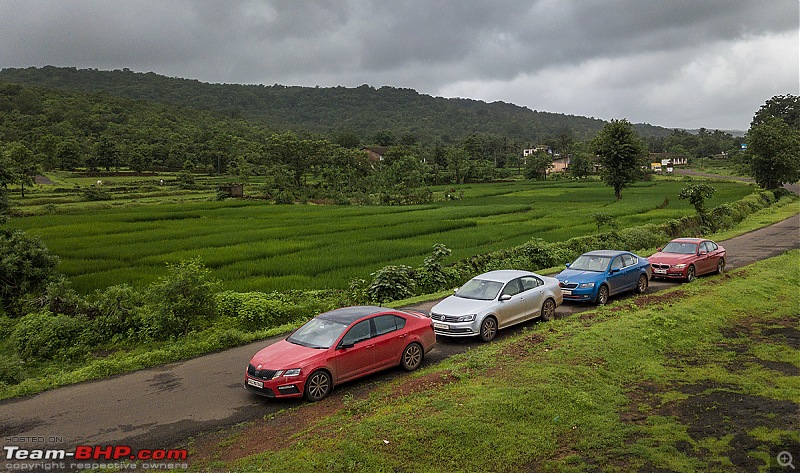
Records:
x=505, y=297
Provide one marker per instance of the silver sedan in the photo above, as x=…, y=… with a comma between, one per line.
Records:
x=496, y=300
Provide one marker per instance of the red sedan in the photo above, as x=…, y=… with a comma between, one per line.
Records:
x=339, y=346
x=685, y=258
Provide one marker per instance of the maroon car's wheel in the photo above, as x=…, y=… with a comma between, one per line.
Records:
x=488, y=329
x=690, y=273
x=548, y=310
x=641, y=287
x=721, y=266
x=412, y=357
x=602, y=295
x=318, y=386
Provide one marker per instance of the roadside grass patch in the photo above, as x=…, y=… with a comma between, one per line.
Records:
x=640, y=387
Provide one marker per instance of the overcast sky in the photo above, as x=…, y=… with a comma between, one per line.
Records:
x=672, y=63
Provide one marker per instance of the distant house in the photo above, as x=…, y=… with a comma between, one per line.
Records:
x=376, y=152
x=560, y=165
x=666, y=158
x=529, y=151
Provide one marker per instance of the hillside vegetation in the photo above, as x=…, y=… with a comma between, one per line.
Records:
x=365, y=111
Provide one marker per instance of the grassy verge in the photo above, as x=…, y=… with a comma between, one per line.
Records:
x=700, y=378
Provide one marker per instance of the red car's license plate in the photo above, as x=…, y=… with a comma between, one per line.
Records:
x=253, y=382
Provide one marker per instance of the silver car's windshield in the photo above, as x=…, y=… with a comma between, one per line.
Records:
x=681, y=248
x=317, y=333
x=480, y=289
x=591, y=263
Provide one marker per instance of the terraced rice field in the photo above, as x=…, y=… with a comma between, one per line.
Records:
x=251, y=245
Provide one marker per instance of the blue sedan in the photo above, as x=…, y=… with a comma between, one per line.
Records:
x=597, y=275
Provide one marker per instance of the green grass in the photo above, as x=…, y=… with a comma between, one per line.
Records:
x=251, y=245
x=678, y=380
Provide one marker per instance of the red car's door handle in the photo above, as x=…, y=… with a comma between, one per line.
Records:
x=369, y=346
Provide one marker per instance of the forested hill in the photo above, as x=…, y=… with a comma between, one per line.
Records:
x=364, y=111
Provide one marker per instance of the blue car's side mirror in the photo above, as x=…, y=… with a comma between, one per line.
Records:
x=569, y=264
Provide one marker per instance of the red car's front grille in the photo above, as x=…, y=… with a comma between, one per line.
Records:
x=262, y=374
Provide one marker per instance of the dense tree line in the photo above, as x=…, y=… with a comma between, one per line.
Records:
x=383, y=116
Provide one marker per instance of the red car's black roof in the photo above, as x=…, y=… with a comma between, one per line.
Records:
x=348, y=315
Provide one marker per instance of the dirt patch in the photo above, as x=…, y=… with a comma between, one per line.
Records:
x=522, y=348
x=269, y=435
x=719, y=412
x=43, y=180
x=720, y=415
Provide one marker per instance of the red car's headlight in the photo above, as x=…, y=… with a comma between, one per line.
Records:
x=287, y=373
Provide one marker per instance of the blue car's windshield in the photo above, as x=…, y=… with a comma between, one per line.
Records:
x=317, y=333
x=681, y=248
x=480, y=289
x=590, y=263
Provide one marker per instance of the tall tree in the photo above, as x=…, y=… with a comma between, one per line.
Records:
x=24, y=164
x=773, y=153
x=537, y=165
x=296, y=153
x=785, y=107
x=621, y=154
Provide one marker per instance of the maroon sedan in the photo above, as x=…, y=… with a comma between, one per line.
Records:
x=685, y=258
x=339, y=346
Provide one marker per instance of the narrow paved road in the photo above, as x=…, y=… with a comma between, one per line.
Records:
x=164, y=406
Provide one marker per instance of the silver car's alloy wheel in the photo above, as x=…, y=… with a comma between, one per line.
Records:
x=318, y=386
x=488, y=329
x=412, y=357
x=548, y=310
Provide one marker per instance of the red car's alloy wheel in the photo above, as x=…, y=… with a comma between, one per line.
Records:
x=318, y=386
x=412, y=357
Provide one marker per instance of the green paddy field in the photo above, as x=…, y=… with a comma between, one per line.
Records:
x=253, y=245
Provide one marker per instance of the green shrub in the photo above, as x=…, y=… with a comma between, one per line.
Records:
x=251, y=310
x=228, y=303
x=432, y=276
x=94, y=193
x=179, y=302
x=118, y=312
x=44, y=336
x=12, y=370
x=391, y=283
x=26, y=266
x=257, y=312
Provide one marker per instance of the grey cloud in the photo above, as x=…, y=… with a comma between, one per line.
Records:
x=433, y=46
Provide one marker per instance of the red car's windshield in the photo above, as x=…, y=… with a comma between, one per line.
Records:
x=680, y=248
x=317, y=333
